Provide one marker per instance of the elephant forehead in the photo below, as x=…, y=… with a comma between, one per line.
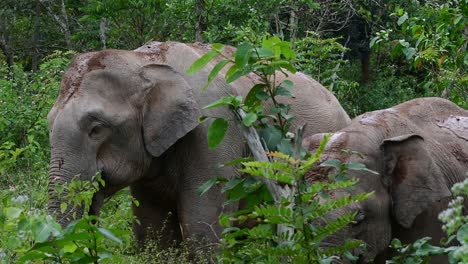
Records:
x=82, y=65
x=457, y=124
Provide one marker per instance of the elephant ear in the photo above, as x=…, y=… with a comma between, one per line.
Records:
x=169, y=108
x=415, y=180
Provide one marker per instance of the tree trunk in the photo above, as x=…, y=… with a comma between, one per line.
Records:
x=103, y=32
x=365, y=66
x=61, y=20
x=5, y=42
x=35, y=56
x=200, y=23
x=293, y=24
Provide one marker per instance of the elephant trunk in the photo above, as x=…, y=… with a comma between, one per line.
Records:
x=61, y=174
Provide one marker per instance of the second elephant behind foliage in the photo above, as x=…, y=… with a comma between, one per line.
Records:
x=420, y=149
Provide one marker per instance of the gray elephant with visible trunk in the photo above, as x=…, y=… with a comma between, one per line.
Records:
x=420, y=149
x=132, y=115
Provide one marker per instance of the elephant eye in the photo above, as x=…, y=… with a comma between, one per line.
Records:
x=97, y=130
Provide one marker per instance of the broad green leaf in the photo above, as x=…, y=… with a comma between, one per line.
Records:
x=462, y=234
x=243, y=54
x=265, y=52
x=223, y=101
x=233, y=74
x=216, y=69
x=216, y=132
x=224, y=220
x=249, y=119
x=43, y=230
x=359, y=166
x=332, y=163
x=285, y=146
x=13, y=212
x=271, y=136
x=218, y=47
x=69, y=247
x=285, y=88
x=262, y=95
x=402, y=19
x=107, y=233
x=63, y=207
x=284, y=64
x=251, y=99
x=208, y=184
x=32, y=255
x=231, y=184
x=202, y=62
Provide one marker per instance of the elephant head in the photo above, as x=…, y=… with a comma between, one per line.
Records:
x=115, y=113
x=407, y=183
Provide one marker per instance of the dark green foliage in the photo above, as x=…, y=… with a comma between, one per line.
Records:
x=25, y=100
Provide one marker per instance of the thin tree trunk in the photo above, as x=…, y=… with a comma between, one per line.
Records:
x=35, y=39
x=279, y=27
x=66, y=28
x=200, y=23
x=365, y=66
x=293, y=24
x=5, y=42
x=277, y=192
x=103, y=32
x=61, y=20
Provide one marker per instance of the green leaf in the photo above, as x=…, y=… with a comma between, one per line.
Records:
x=43, y=230
x=285, y=88
x=284, y=64
x=224, y=220
x=107, y=233
x=202, y=62
x=271, y=136
x=265, y=52
x=331, y=163
x=218, y=47
x=208, y=184
x=216, y=69
x=13, y=212
x=32, y=255
x=262, y=95
x=243, y=54
x=216, y=132
x=462, y=234
x=249, y=119
x=233, y=74
x=69, y=247
x=402, y=19
x=359, y=166
x=251, y=99
x=223, y=101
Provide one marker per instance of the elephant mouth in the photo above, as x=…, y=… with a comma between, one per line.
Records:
x=98, y=197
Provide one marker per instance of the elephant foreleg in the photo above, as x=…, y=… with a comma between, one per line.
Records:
x=158, y=220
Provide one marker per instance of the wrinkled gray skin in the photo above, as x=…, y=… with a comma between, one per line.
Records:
x=420, y=149
x=133, y=116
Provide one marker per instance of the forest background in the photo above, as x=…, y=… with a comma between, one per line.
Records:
x=372, y=54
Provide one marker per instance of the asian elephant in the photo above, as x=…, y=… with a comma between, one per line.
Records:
x=419, y=149
x=132, y=115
